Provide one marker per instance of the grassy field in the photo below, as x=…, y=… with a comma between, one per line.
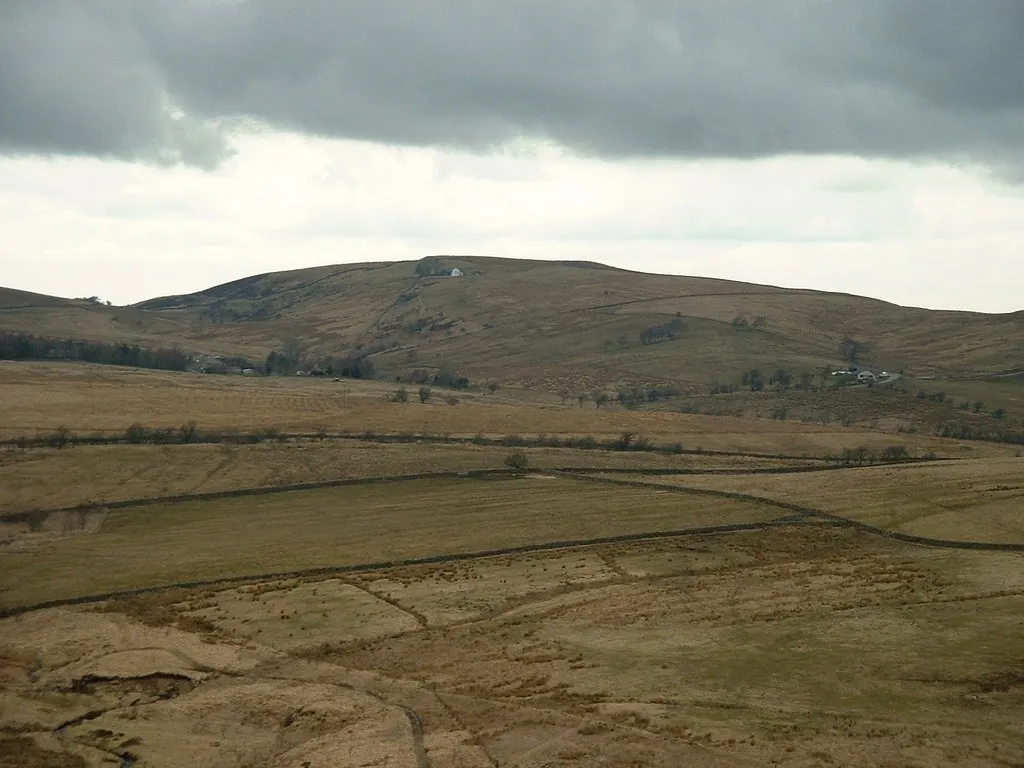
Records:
x=890, y=408
x=39, y=397
x=1003, y=392
x=797, y=647
x=963, y=500
x=104, y=473
x=544, y=325
x=165, y=543
x=801, y=646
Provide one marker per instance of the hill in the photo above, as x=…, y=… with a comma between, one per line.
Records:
x=554, y=326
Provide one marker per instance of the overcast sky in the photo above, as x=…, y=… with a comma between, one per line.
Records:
x=872, y=147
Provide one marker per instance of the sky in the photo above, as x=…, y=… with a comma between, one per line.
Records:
x=163, y=147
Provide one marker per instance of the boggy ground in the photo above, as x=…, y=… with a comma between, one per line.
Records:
x=797, y=646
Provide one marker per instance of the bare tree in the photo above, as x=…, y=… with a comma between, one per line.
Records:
x=187, y=431
x=850, y=349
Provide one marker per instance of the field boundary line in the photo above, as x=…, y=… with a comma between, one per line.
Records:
x=233, y=436
x=808, y=513
x=18, y=517
x=334, y=570
x=341, y=482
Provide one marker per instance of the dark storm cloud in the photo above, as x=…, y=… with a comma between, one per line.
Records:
x=161, y=79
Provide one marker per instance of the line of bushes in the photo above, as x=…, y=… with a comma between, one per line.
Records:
x=189, y=432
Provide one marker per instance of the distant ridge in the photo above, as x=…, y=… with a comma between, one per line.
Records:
x=553, y=325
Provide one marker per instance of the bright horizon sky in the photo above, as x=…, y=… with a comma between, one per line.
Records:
x=164, y=148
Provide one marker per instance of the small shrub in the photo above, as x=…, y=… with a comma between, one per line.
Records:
x=164, y=435
x=452, y=400
x=187, y=431
x=424, y=394
x=136, y=433
x=36, y=519
x=517, y=461
x=894, y=453
x=400, y=395
x=587, y=443
x=61, y=437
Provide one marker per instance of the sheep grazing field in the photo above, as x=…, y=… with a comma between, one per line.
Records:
x=318, y=578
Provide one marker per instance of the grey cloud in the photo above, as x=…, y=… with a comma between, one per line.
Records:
x=711, y=78
x=78, y=79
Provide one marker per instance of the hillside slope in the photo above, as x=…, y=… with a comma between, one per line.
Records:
x=553, y=325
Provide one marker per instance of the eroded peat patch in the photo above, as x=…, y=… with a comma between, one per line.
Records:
x=797, y=646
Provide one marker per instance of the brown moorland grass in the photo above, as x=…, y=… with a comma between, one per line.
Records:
x=978, y=500
x=39, y=397
x=796, y=647
x=184, y=541
x=889, y=408
x=49, y=478
x=1005, y=392
x=574, y=323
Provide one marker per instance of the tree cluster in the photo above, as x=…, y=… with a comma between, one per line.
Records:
x=629, y=396
x=289, y=360
x=663, y=332
x=431, y=266
x=443, y=378
x=20, y=346
x=741, y=323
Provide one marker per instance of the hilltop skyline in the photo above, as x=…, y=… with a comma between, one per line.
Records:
x=873, y=149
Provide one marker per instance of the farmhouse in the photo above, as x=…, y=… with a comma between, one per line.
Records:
x=456, y=272
x=865, y=376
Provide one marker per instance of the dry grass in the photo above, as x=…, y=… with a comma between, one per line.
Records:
x=104, y=473
x=889, y=408
x=791, y=647
x=185, y=541
x=963, y=500
x=93, y=399
x=1006, y=392
x=799, y=646
x=545, y=323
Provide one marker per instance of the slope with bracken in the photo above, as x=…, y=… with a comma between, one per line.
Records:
x=548, y=325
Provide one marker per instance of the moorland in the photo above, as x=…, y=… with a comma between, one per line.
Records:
x=533, y=515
